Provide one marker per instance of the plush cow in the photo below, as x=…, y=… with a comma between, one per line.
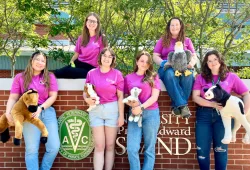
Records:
x=232, y=107
x=90, y=91
x=134, y=96
x=179, y=60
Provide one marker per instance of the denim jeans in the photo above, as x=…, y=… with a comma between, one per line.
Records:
x=209, y=128
x=149, y=130
x=178, y=88
x=32, y=141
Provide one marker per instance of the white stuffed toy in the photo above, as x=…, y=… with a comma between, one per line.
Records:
x=232, y=107
x=90, y=91
x=134, y=96
x=179, y=60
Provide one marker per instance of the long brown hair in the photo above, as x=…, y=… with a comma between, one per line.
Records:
x=150, y=74
x=113, y=64
x=98, y=31
x=167, y=36
x=28, y=73
x=205, y=70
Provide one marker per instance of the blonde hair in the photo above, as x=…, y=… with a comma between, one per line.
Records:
x=28, y=73
x=150, y=74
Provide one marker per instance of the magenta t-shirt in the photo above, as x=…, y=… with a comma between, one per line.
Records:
x=188, y=45
x=231, y=83
x=89, y=54
x=37, y=84
x=134, y=80
x=106, y=84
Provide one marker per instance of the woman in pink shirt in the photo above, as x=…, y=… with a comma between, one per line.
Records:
x=36, y=76
x=109, y=114
x=88, y=47
x=148, y=81
x=178, y=88
x=209, y=127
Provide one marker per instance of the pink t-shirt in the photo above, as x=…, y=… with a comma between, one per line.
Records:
x=106, y=84
x=231, y=83
x=37, y=84
x=89, y=54
x=188, y=45
x=134, y=80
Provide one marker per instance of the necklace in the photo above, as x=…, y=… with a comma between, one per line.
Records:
x=217, y=82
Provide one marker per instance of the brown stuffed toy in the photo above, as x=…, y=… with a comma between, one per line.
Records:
x=22, y=111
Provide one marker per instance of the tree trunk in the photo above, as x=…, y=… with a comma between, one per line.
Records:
x=12, y=69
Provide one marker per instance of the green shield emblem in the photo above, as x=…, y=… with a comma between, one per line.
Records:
x=75, y=135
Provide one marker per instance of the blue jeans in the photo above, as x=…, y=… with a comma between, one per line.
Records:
x=209, y=128
x=149, y=130
x=178, y=88
x=32, y=136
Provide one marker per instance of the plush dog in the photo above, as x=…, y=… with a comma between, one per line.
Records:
x=179, y=60
x=134, y=96
x=22, y=111
x=232, y=107
x=89, y=89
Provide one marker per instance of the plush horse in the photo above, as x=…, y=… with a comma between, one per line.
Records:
x=232, y=107
x=134, y=96
x=89, y=89
x=179, y=60
x=21, y=112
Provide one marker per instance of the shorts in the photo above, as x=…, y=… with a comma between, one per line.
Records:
x=104, y=115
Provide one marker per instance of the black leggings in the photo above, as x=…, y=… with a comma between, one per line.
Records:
x=80, y=71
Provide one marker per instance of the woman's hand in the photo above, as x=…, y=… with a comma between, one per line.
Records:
x=217, y=106
x=120, y=121
x=10, y=119
x=133, y=103
x=37, y=113
x=90, y=100
x=136, y=110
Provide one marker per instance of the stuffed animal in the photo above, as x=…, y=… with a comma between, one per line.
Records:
x=179, y=60
x=89, y=89
x=21, y=112
x=134, y=96
x=232, y=107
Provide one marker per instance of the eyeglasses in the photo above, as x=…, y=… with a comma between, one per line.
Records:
x=109, y=57
x=90, y=21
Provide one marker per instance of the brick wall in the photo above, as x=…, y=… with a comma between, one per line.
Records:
x=12, y=157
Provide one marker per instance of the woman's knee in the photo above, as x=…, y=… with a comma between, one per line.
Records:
x=110, y=146
x=31, y=149
x=169, y=74
x=132, y=149
x=99, y=147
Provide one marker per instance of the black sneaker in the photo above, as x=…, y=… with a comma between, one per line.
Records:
x=185, y=112
x=176, y=111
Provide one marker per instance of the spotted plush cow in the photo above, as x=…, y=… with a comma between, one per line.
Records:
x=232, y=107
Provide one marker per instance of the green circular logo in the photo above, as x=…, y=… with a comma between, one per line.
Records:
x=75, y=135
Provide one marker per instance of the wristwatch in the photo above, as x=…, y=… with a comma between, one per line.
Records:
x=41, y=107
x=142, y=108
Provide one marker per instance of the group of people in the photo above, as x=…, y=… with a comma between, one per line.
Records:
x=96, y=62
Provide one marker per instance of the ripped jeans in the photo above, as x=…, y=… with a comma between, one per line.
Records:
x=209, y=128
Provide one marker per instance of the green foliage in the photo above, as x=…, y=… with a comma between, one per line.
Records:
x=131, y=26
x=244, y=73
x=61, y=55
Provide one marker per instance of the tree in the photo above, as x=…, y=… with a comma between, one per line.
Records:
x=16, y=31
x=214, y=24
